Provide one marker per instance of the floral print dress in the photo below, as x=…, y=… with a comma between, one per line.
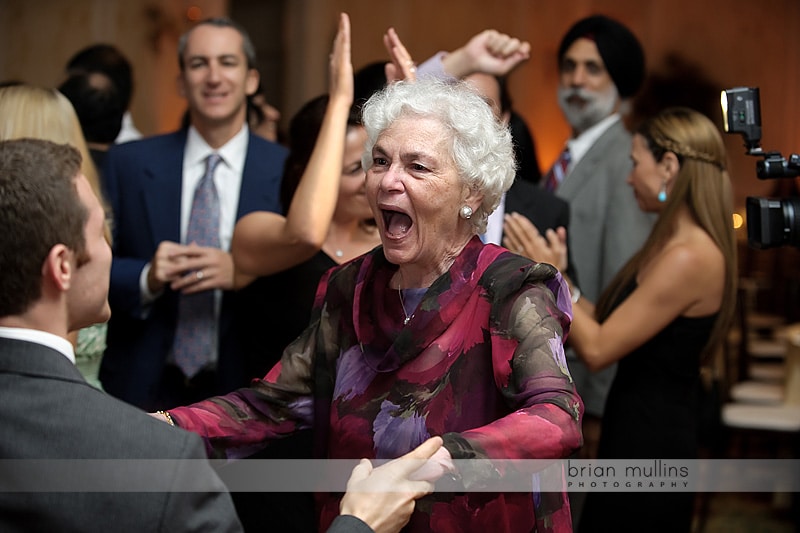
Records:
x=480, y=362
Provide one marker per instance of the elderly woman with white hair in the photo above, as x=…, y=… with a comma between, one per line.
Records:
x=432, y=333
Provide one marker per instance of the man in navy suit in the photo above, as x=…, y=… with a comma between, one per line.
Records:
x=150, y=186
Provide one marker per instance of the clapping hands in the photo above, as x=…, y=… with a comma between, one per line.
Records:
x=522, y=237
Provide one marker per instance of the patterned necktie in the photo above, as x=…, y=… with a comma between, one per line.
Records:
x=557, y=172
x=195, y=333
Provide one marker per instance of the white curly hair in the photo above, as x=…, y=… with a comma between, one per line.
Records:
x=481, y=146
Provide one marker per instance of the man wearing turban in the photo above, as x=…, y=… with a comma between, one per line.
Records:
x=601, y=66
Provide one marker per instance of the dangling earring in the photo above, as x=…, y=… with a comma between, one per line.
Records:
x=662, y=194
x=466, y=212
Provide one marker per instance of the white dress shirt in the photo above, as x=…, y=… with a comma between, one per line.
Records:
x=494, y=225
x=583, y=142
x=128, y=131
x=227, y=178
x=228, y=181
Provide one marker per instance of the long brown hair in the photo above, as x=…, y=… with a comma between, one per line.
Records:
x=703, y=186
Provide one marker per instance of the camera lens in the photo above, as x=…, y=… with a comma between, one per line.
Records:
x=773, y=222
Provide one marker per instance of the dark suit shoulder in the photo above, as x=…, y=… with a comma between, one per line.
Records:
x=266, y=147
x=155, y=143
x=54, y=416
x=540, y=206
x=615, y=139
x=262, y=175
x=133, y=433
x=147, y=437
x=45, y=395
x=527, y=189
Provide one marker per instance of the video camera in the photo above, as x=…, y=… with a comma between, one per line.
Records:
x=771, y=222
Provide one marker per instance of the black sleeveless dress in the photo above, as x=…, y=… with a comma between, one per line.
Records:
x=284, y=301
x=652, y=412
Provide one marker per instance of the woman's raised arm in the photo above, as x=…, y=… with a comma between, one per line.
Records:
x=266, y=243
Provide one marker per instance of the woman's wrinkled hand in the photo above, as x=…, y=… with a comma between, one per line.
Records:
x=402, y=66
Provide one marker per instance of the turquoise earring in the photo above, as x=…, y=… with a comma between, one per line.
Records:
x=662, y=194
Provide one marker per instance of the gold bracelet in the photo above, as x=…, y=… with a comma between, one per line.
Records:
x=168, y=416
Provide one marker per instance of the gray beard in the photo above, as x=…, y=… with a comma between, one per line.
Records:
x=597, y=107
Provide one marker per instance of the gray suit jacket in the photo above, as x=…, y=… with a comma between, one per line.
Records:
x=606, y=225
x=606, y=228
x=50, y=412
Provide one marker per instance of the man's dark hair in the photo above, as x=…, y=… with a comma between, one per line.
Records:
x=367, y=81
x=110, y=61
x=220, y=22
x=97, y=103
x=39, y=208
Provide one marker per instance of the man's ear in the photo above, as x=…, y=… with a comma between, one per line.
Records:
x=58, y=268
x=251, y=84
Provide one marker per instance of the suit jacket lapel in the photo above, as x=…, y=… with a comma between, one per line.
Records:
x=162, y=196
x=573, y=184
x=253, y=194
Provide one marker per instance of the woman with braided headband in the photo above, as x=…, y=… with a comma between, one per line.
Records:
x=667, y=309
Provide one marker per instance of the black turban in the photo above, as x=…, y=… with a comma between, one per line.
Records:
x=620, y=49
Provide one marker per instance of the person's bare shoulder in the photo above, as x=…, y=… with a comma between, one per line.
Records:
x=692, y=263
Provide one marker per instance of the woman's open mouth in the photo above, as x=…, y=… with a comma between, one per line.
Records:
x=396, y=223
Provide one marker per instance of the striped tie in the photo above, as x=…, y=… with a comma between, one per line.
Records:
x=557, y=172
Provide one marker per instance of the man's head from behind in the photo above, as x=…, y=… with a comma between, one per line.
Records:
x=51, y=243
x=494, y=91
x=110, y=61
x=601, y=63
x=97, y=103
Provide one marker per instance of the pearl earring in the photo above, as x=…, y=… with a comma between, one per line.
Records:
x=662, y=194
x=466, y=212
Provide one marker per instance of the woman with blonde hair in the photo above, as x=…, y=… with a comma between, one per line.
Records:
x=666, y=311
x=28, y=111
x=40, y=113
